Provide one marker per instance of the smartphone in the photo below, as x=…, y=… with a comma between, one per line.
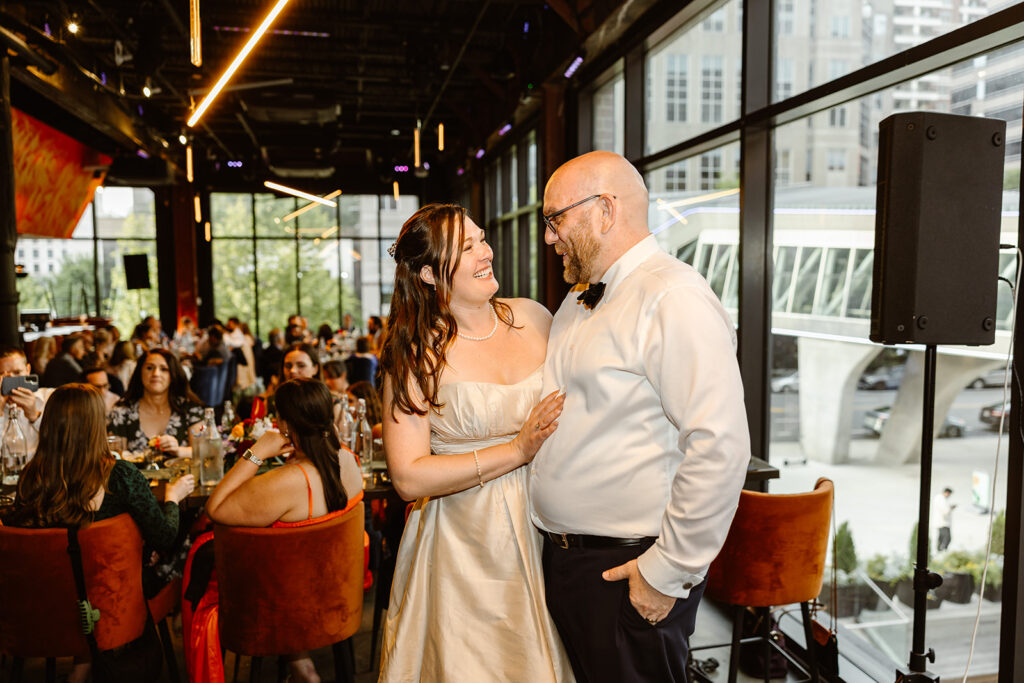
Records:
x=9, y=384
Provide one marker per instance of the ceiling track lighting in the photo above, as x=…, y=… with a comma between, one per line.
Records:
x=189, y=176
x=237, y=62
x=301, y=210
x=199, y=210
x=440, y=137
x=298, y=193
x=195, y=33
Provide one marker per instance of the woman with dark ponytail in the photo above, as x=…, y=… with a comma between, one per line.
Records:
x=319, y=478
x=462, y=378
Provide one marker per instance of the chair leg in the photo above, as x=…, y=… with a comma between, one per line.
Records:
x=255, y=664
x=238, y=661
x=51, y=670
x=737, y=634
x=172, y=660
x=765, y=617
x=812, y=644
x=282, y=669
x=344, y=661
x=17, y=669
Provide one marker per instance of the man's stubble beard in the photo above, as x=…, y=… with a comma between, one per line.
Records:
x=582, y=251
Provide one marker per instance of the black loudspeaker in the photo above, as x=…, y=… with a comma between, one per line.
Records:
x=136, y=271
x=940, y=190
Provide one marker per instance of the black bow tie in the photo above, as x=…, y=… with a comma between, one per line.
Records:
x=592, y=295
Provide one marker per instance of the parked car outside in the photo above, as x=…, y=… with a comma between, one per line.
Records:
x=787, y=384
x=992, y=378
x=874, y=421
x=882, y=378
x=991, y=415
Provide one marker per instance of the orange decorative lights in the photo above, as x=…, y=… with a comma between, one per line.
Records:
x=237, y=62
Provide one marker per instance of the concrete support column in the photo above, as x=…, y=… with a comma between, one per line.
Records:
x=829, y=371
x=901, y=438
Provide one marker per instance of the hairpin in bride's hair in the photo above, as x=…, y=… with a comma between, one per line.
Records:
x=392, y=249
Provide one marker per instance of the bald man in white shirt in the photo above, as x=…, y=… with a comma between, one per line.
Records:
x=636, y=489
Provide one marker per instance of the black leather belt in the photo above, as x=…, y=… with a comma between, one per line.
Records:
x=566, y=541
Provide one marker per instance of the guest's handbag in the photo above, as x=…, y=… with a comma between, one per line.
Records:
x=139, y=660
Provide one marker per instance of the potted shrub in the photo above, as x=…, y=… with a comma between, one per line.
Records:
x=851, y=595
x=905, y=583
x=994, y=580
x=884, y=571
x=958, y=569
x=999, y=533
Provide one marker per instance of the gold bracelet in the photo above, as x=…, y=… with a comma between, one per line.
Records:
x=479, y=476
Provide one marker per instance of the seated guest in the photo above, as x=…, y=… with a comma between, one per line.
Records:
x=272, y=357
x=214, y=349
x=375, y=331
x=74, y=481
x=29, y=404
x=325, y=334
x=44, y=349
x=122, y=361
x=158, y=408
x=99, y=378
x=103, y=343
x=336, y=378
x=367, y=392
x=294, y=334
x=66, y=367
x=362, y=365
x=300, y=361
x=319, y=478
x=95, y=360
x=185, y=337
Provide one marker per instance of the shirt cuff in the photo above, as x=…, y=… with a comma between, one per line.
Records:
x=664, y=576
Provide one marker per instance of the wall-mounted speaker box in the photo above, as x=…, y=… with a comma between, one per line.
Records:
x=136, y=271
x=940, y=190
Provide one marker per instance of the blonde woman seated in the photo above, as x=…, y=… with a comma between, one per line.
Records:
x=319, y=478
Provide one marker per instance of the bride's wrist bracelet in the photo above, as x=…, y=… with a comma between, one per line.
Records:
x=479, y=476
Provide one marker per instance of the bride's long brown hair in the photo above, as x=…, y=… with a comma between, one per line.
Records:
x=421, y=326
x=71, y=464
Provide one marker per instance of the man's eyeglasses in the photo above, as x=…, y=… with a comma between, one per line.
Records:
x=547, y=219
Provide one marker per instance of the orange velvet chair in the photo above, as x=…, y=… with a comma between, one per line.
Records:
x=774, y=555
x=39, y=602
x=289, y=590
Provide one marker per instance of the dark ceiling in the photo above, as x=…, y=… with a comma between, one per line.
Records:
x=337, y=85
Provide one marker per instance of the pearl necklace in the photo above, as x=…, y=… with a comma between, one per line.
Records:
x=486, y=336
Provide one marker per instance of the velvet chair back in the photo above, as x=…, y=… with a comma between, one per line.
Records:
x=38, y=600
x=289, y=590
x=775, y=551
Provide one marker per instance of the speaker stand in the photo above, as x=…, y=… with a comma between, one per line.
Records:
x=924, y=580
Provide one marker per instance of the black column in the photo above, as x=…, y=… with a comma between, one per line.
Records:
x=8, y=219
x=1011, y=638
x=167, y=284
x=756, y=187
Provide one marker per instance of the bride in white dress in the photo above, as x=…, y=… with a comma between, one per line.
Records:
x=462, y=415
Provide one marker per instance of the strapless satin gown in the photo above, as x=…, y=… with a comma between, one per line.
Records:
x=467, y=603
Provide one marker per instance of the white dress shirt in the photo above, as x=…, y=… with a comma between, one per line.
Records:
x=653, y=438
